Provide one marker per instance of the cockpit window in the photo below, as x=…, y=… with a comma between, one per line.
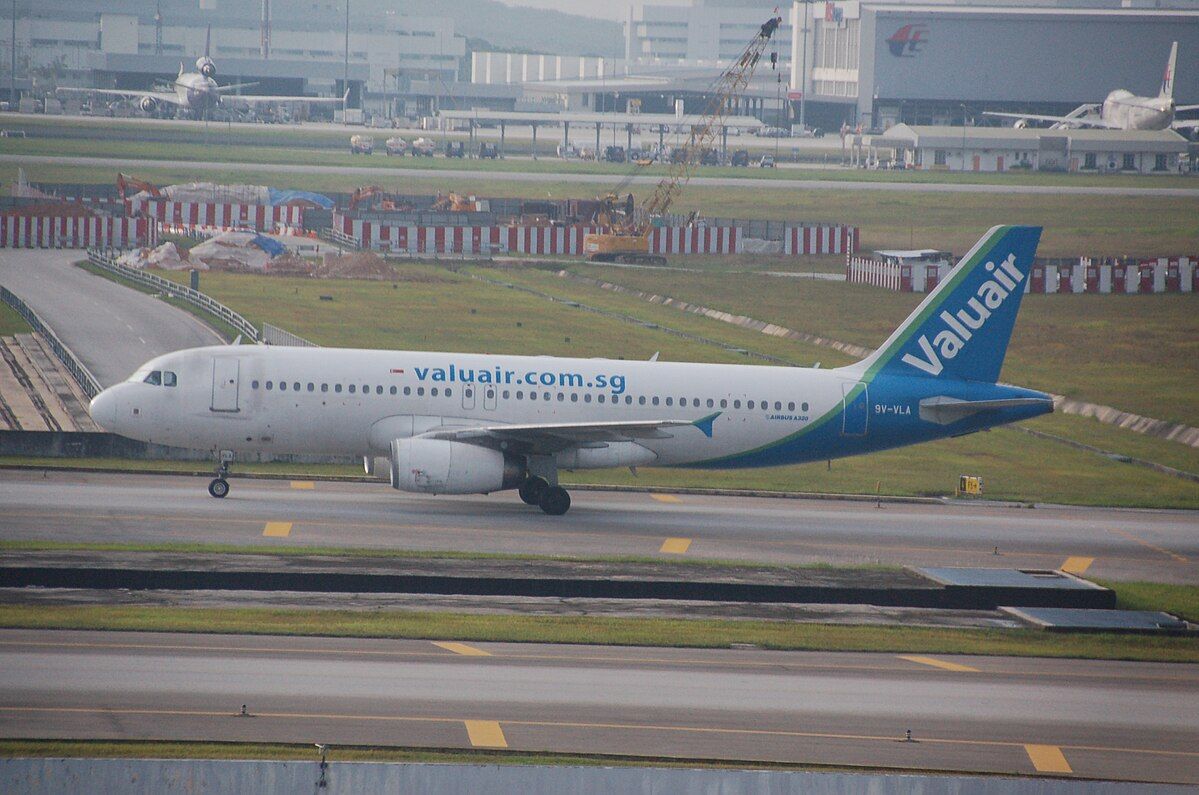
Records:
x=169, y=379
x=155, y=378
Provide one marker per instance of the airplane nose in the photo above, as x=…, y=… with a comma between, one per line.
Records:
x=103, y=409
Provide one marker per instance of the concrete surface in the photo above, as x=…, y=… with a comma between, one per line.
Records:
x=111, y=328
x=380, y=171
x=1107, y=720
x=1157, y=546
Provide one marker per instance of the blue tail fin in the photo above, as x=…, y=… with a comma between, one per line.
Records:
x=962, y=328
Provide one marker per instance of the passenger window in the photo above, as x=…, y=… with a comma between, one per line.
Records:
x=353, y=387
x=749, y=405
x=311, y=387
x=736, y=404
x=296, y=386
x=655, y=400
x=777, y=405
x=520, y=395
x=407, y=390
x=532, y=396
x=791, y=406
x=628, y=400
x=587, y=398
x=561, y=397
x=379, y=390
x=154, y=378
x=449, y=392
x=324, y=387
x=366, y=390
x=669, y=401
x=169, y=379
x=253, y=385
x=337, y=388
x=641, y=400
x=506, y=394
x=600, y=398
x=804, y=407
x=420, y=391
x=711, y=402
x=270, y=385
x=695, y=402
x=574, y=397
x=393, y=390
x=433, y=392
x=545, y=395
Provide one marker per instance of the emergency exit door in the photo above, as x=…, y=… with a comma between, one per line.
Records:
x=225, y=375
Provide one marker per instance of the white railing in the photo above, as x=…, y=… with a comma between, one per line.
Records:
x=83, y=376
x=196, y=298
x=273, y=335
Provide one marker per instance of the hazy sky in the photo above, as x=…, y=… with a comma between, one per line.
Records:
x=604, y=9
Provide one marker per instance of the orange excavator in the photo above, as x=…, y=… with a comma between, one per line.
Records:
x=125, y=183
x=629, y=238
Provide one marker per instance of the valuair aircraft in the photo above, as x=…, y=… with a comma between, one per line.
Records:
x=457, y=423
x=1123, y=110
x=197, y=91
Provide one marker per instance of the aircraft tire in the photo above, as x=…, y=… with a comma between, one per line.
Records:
x=218, y=488
x=531, y=490
x=555, y=501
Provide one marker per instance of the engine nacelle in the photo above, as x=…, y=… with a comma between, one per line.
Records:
x=1021, y=124
x=438, y=466
x=147, y=104
x=205, y=66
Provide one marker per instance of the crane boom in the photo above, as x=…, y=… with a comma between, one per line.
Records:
x=629, y=241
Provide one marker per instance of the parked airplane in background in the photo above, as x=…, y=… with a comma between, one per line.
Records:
x=197, y=91
x=455, y=423
x=1122, y=110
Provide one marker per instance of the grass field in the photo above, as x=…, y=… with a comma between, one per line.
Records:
x=10, y=322
x=1074, y=225
x=292, y=145
x=1138, y=353
x=422, y=312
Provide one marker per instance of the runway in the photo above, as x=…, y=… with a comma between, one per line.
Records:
x=1124, y=721
x=1156, y=546
x=572, y=177
x=112, y=329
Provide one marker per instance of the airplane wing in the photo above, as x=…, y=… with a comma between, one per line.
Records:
x=260, y=99
x=1185, y=124
x=1180, y=108
x=1085, y=122
x=234, y=87
x=157, y=96
x=545, y=438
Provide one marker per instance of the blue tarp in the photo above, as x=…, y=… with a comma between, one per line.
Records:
x=289, y=196
x=272, y=247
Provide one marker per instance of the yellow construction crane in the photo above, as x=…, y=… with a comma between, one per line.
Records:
x=629, y=240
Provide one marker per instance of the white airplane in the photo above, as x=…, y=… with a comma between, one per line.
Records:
x=1122, y=110
x=457, y=423
x=198, y=92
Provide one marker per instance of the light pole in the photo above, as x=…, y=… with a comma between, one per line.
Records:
x=803, y=70
x=963, y=104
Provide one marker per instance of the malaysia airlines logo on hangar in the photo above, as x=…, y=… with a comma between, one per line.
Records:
x=908, y=40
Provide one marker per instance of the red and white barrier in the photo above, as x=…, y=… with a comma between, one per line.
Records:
x=834, y=239
x=18, y=231
x=1161, y=275
x=215, y=215
x=695, y=240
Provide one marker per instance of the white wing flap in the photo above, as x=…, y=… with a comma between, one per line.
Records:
x=554, y=437
x=158, y=96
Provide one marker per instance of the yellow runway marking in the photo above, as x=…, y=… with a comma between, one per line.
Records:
x=1048, y=759
x=485, y=734
x=303, y=484
x=277, y=529
x=675, y=546
x=942, y=664
x=461, y=648
x=1148, y=545
x=711, y=730
x=665, y=497
x=1077, y=565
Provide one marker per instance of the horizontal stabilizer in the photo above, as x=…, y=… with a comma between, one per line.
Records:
x=945, y=410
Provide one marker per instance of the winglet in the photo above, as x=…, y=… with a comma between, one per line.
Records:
x=705, y=423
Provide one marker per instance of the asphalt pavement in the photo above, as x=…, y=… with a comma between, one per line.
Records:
x=573, y=177
x=1117, y=720
x=112, y=329
x=1156, y=546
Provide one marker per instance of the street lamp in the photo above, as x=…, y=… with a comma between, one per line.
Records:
x=963, y=105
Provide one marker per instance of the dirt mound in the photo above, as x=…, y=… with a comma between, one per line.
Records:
x=290, y=264
x=355, y=265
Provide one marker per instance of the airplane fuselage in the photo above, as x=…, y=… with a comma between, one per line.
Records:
x=1127, y=111
x=196, y=92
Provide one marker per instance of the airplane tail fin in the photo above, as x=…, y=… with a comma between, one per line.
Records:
x=208, y=43
x=1167, y=91
x=962, y=328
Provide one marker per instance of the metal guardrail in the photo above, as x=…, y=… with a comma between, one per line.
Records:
x=340, y=238
x=196, y=298
x=87, y=382
x=273, y=335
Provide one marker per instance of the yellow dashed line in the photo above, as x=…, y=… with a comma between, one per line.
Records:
x=665, y=497
x=307, y=485
x=1048, y=759
x=675, y=546
x=277, y=529
x=461, y=648
x=1148, y=545
x=942, y=664
x=1077, y=565
x=485, y=734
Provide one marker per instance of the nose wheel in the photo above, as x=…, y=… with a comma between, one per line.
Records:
x=218, y=487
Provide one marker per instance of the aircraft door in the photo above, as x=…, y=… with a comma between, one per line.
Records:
x=489, y=397
x=225, y=375
x=468, y=397
x=855, y=401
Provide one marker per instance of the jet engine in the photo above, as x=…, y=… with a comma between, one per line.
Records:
x=205, y=66
x=437, y=466
x=1020, y=124
x=148, y=104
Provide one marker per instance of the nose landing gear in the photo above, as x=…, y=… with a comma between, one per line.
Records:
x=219, y=487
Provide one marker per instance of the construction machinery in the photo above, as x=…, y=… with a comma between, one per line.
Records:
x=629, y=239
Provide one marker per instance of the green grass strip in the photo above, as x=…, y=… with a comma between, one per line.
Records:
x=603, y=631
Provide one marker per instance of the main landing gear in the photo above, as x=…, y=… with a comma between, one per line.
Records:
x=219, y=486
x=554, y=500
